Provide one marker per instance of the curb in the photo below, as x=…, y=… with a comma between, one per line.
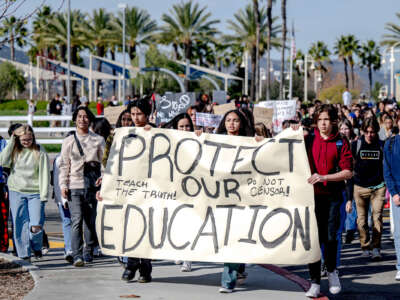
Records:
x=303, y=283
x=26, y=266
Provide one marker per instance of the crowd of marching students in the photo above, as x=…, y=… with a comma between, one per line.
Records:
x=353, y=151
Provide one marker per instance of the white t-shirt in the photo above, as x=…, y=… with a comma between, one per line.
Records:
x=347, y=98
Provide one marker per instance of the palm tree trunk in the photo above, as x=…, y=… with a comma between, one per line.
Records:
x=370, y=80
x=112, y=51
x=188, y=56
x=100, y=53
x=63, y=53
x=257, y=64
x=281, y=95
x=12, y=47
x=269, y=16
x=346, y=72
x=352, y=71
x=176, y=53
x=74, y=61
x=253, y=73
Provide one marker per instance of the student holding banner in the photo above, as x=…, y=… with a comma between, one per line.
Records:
x=140, y=112
x=331, y=163
x=233, y=123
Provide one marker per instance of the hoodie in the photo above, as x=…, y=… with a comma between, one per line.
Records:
x=324, y=159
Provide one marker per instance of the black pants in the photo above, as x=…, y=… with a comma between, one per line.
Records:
x=143, y=264
x=327, y=212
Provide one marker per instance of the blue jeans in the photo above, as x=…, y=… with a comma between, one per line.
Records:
x=229, y=275
x=66, y=227
x=26, y=212
x=396, y=235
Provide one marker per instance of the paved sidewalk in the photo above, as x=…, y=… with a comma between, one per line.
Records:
x=101, y=280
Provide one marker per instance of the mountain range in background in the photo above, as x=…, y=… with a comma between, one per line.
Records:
x=336, y=67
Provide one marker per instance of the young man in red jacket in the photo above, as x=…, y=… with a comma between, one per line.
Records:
x=331, y=163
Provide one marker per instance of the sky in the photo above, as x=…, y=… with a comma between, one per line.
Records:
x=314, y=20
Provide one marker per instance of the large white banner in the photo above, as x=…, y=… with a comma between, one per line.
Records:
x=283, y=110
x=172, y=195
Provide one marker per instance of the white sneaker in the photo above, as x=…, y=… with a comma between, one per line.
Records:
x=334, y=282
x=398, y=276
x=366, y=253
x=314, y=291
x=225, y=290
x=178, y=262
x=376, y=254
x=186, y=266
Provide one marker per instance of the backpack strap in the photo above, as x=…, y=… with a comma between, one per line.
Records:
x=339, y=146
x=358, y=147
x=79, y=145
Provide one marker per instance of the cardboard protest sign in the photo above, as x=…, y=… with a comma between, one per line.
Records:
x=111, y=113
x=171, y=105
x=263, y=115
x=169, y=194
x=208, y=120
x=223, y=108
x=283, y=110
x=219, y=97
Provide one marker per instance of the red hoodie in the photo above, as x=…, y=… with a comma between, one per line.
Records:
x=323, y=157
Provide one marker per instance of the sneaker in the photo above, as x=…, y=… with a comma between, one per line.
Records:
x=68, y=257
x=78, y=262
x=398, y=276
x=128, y=275
x=87, y=258
x=97, y=252
x=178, y=262
x=144, y=279
x=27, y=259
x=38, y=254
x=186, y=266
x=241, y=277
x=225, y=290
x=376, y=254
x=334, y=283
x=313, y=291
x=45, y=250
x=366, y=253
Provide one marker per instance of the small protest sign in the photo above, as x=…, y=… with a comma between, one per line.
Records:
x=171, y=105
x=208, y=120
x=223, y=108
x=283, y=110
x=219, y=97
x=111, y=113
x=214, y=198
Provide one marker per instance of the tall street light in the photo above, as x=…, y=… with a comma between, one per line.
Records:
x=123, y=7
x=392, y=61
x=69, y=51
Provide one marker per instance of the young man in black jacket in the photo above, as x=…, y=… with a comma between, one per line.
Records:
x=369, y=186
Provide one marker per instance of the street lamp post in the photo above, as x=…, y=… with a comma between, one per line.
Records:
x=300, y=64
x=69, y=51
x=392, y=60
x=123, y=7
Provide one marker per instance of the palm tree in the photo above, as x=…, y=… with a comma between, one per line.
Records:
x=269, y=37
x=15, y=32
x=257, y=64
x=394, y=36
x=244, y=34
x=100, y=34
x=284, y=32
x=353, y=46
x=320, y=53
x=370, y=58
x=342, y=52
x=140, y=28
x=56, y=35
x=188, y=22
